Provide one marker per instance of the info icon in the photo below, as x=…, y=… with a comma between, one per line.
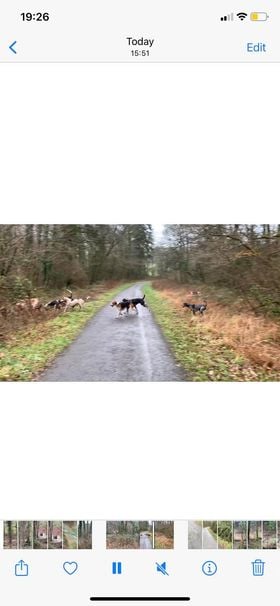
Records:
x=209, y=568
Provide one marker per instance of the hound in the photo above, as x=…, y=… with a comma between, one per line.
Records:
x=72, y=303
x=199, y=307
x=29, y=304
x=55, y=304
x=137, y=301
x=123, y=305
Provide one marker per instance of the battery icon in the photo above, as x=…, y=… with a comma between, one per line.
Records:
x=258, y=16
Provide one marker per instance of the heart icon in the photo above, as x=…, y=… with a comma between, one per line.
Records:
x=70, y=567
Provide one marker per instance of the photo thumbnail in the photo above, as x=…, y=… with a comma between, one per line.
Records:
x=140, y=535
x=48, y=535
x=236, y=534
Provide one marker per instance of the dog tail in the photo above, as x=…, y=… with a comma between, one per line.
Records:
x=144, y=296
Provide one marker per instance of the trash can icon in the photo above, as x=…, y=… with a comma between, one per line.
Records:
x=258, y=568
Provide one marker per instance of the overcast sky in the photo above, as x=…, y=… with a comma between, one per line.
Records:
x=158, y=230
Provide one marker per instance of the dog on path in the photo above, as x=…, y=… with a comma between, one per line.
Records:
x=122, y=306
x=126, y=304
x=136, y=301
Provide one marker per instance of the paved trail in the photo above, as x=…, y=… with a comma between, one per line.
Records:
x=200, y=537
x=208, y=541
x=145, y=541
x=117, y=349
x=195, y=535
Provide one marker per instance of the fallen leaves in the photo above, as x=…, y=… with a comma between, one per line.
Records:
x=206, y=354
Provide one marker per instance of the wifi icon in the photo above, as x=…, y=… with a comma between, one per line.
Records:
x=242, y=16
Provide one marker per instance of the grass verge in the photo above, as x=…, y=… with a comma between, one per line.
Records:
x=30, y=351
x=202, y=353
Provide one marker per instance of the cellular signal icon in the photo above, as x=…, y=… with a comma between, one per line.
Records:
x=241, y=16
x=229, y=17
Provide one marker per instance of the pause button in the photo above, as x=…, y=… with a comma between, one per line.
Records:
x=116, y=568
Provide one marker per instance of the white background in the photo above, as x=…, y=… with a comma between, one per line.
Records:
x=123, y=143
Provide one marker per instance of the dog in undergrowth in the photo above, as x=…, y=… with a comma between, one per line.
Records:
x=195, y=308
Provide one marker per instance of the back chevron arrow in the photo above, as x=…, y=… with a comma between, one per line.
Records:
x=11, y=47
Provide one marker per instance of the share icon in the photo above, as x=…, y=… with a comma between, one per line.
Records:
x=162, y=568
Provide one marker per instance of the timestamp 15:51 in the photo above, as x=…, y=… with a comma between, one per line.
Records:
x=140, y=53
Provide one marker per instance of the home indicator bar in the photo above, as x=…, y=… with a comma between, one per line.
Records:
x=139, y=599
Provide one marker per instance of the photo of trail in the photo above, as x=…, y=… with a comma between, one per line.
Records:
x=70, y=535
x=140, y=302
x=140, y=535
x=129, y=535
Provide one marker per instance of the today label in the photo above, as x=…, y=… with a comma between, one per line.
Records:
x=140, y=41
